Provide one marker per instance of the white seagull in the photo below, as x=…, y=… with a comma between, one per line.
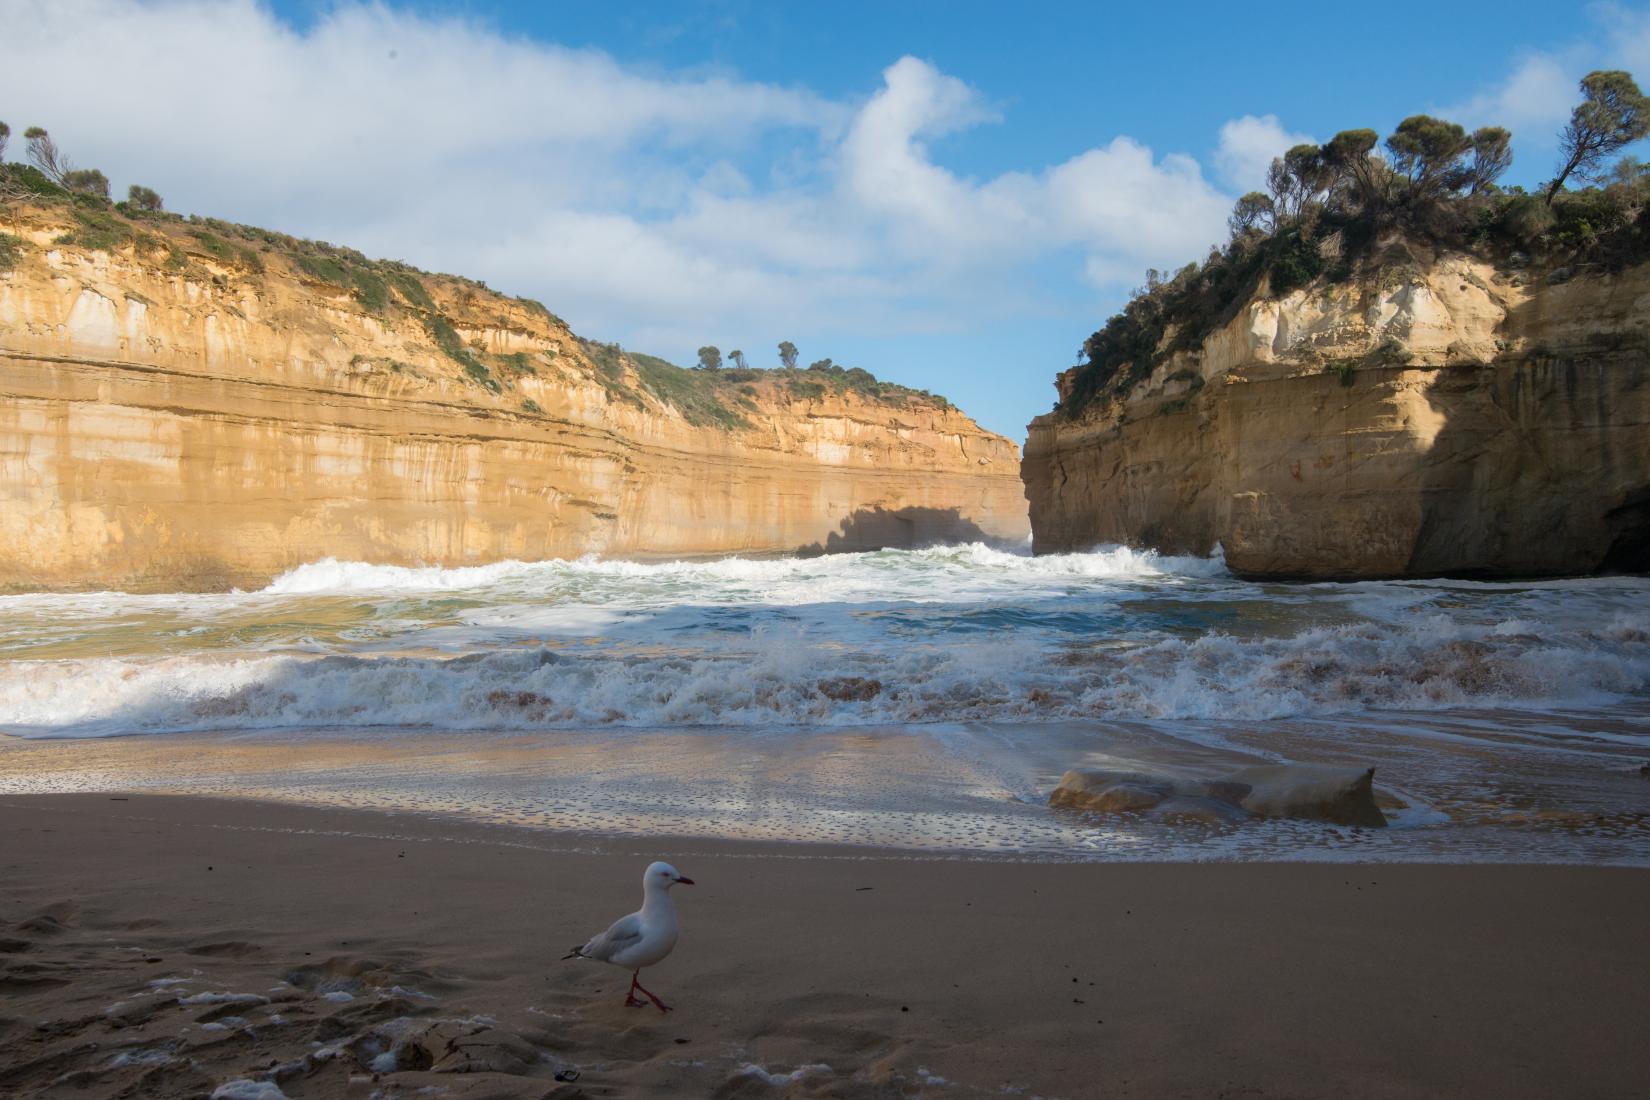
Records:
x=642, y=938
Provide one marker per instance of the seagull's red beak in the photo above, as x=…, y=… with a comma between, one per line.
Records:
x=680, y=881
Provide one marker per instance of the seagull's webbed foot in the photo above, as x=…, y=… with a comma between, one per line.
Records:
x=636, y=985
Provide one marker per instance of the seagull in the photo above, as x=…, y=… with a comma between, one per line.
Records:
x=642, y=938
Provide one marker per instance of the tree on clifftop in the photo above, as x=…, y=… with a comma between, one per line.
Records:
x=738, y=358
x=1297, y=180
x=1613, y=114
x=46, y=156
x=1254, y=211
x=787, y=354
x=88, y=181
x=1364, y=178
x=143, y=198
x=710, y=357
x=1491, y=156
x=1428, y=152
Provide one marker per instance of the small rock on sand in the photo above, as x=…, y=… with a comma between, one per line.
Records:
x=1316, y=792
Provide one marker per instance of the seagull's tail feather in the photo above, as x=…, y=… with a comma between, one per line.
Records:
x=576, y=953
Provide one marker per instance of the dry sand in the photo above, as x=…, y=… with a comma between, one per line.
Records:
x=883, y=973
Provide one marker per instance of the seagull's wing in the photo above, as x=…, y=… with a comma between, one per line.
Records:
x=623, y=933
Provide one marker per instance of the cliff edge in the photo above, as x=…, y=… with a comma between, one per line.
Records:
x=1431, y=414
x=192, y=404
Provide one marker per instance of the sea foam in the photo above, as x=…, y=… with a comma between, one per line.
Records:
x=948, y=634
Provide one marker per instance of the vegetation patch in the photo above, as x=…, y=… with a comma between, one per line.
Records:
x=411, y=288
x=535, y=306
x=452, y=345
x=26, y=179
x=11, y=250
x=97, y=229
x=695, y=394
x=518, y=362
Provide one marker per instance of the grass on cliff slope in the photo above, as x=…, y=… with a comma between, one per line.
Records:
x=715, y=397
x=1339, y=213
x=700, y=398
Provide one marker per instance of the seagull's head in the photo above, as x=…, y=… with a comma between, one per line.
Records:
x=663, y=876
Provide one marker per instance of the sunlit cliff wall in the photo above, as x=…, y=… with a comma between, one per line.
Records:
x=173, y=419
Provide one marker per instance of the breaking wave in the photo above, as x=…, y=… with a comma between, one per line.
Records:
x=944, y=635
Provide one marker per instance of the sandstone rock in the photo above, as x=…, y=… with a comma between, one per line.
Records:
x=485, y=1051
x=1109, y=792
x=1453, y=423
x=1194, y=810
x=1308, y=791
x=1321, y=792
x=206, y=428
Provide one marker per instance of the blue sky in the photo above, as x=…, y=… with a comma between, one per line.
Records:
x=952, y=195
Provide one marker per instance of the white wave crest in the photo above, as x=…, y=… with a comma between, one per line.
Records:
x=782, y=678
x=333, y=576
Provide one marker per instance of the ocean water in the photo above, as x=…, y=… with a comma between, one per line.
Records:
x=925, y=699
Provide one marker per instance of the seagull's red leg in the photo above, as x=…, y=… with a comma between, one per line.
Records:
x=630, y=1000
x=657, y=1003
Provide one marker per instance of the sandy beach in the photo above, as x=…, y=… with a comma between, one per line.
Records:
x=164, y=946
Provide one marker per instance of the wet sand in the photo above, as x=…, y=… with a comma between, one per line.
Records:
x=351, y=938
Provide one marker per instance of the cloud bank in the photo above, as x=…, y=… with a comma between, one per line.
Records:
x=671, y=207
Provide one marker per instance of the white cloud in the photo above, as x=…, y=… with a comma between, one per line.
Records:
x=636, y=204
x=1248, y=146
x=1535, y=98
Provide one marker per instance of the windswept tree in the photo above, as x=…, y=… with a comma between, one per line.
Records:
x=5, y=139
x=1612, y=114
x=1297, y=181
x=821, y=365
x=1253, y=213
x=1491, y=156
x=1363, y=179
x=738, y=358
x=46, y=156
x=787, y=354
x=1428, y=153
x=143, y=198
x=710, y=357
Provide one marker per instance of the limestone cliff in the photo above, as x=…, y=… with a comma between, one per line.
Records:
x=1441, y=418
x=184, y=409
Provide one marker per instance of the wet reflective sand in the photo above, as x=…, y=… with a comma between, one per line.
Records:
x=1466, y=786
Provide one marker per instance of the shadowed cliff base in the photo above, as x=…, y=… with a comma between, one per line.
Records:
x=900, y=529
x=1539, y=469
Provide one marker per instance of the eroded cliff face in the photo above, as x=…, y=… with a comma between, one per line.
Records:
x=173, y=419
x=1449, y=420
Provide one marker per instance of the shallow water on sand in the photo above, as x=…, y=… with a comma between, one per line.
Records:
x=924, y=699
